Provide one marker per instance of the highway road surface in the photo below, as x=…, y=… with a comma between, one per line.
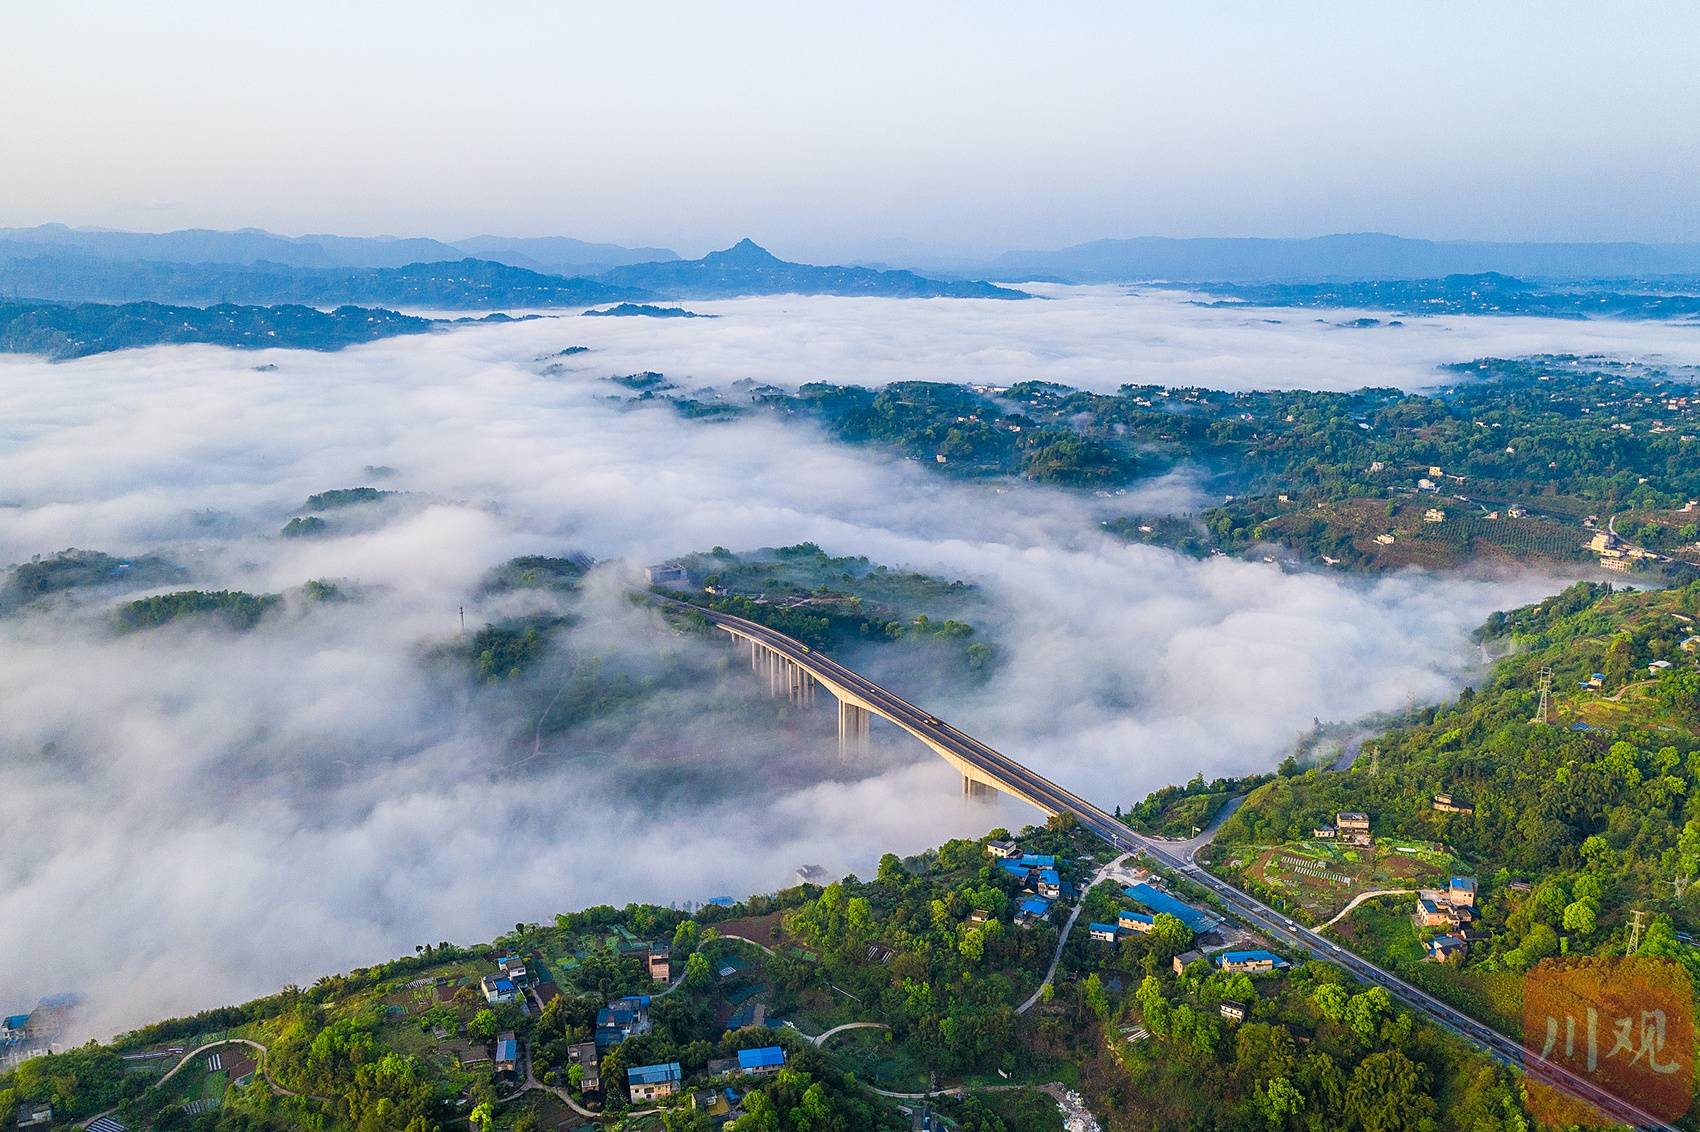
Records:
x=1242, y=906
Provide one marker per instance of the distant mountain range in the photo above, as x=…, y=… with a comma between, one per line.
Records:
x=556, y=255
x=1359, y=257
x=746, y=268
x=72, y=265
x=462, y=284
x=201, y=266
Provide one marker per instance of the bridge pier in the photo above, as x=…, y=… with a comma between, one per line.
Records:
x=974, y=788
x=852, y=730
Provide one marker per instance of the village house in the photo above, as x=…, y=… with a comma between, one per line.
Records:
x=1003, y=847
x=647, y=1082
x=583, y=1055
x=979, y=916
x=1130, y=921
x=497, y=989
x=1434, y=515
x=34, y=1115
x=1324, y=832
x=1658, y=666
x=1451, y=907
x=1031, y=910
x=1445, y=948
x=1104, y=933
x=761, y=1062
x=660, y=967
x=1461, y=891
x=507, y=1054
x=622, y=1018
x=1447, y=804
x=513, y=968
x=1233, y=1011
x=1354, y=827
x=1254, y=962
x=1690, y=644
x=666, y=574
x=1186, y=959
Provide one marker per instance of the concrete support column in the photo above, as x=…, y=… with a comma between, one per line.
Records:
x=974, y=788
x=852, y=730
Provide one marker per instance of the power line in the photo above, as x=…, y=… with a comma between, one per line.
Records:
x=1543, y=714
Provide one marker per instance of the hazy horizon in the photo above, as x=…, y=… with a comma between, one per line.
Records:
x=654, y=124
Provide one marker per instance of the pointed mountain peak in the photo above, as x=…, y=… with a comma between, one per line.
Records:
x=745, y=251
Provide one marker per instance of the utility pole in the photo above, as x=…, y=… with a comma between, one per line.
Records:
x=463, y=619
x=1543, y=714
x=1635, y=932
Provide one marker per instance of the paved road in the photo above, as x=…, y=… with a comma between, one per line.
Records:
x=1245, y=908
x=1104, y=870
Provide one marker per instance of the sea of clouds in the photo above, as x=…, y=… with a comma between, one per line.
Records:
x=195, y=816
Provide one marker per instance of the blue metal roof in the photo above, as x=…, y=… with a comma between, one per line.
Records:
x=507, y=1050
x=1136, y=917
x=1111, y=928
x=1035, y=906
x=1464, y=882
x=653, y=1074
x=763, y=1058
x=1256, y=955
x=1049, y=876
x=1160, y=901
x=17, y=1021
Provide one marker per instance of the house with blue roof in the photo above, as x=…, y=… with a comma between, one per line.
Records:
x=497, y=988
x=647, y=1082
x=622, y=1018
x=1031, y=910
x=507, y=1054
x=1130, y=921
x=1253, y=962
x=1104, y=933
x=1161, y=902
x=760, y=1062
x=1049, y=884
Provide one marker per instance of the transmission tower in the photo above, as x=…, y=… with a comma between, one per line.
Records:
x=1635, y=932
x=1543, y=714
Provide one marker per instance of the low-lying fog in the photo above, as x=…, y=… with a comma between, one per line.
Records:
x=1089, y=337
x=196, y=816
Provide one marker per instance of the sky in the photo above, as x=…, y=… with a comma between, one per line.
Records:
x=823, y=128
x=211, y=815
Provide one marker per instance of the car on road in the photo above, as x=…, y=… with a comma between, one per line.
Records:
x=931, y=722
x=1336, y=947
x=1292, y=927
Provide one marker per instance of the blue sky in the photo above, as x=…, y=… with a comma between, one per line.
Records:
x=812, y=126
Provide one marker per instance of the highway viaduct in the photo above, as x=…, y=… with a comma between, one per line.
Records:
x=797, y=670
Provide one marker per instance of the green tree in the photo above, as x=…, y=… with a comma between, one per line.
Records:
x=1279, y=1101
x=1386, y=1094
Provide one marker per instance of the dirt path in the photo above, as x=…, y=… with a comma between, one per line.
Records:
x=1359, y=899
x=820, y=1039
